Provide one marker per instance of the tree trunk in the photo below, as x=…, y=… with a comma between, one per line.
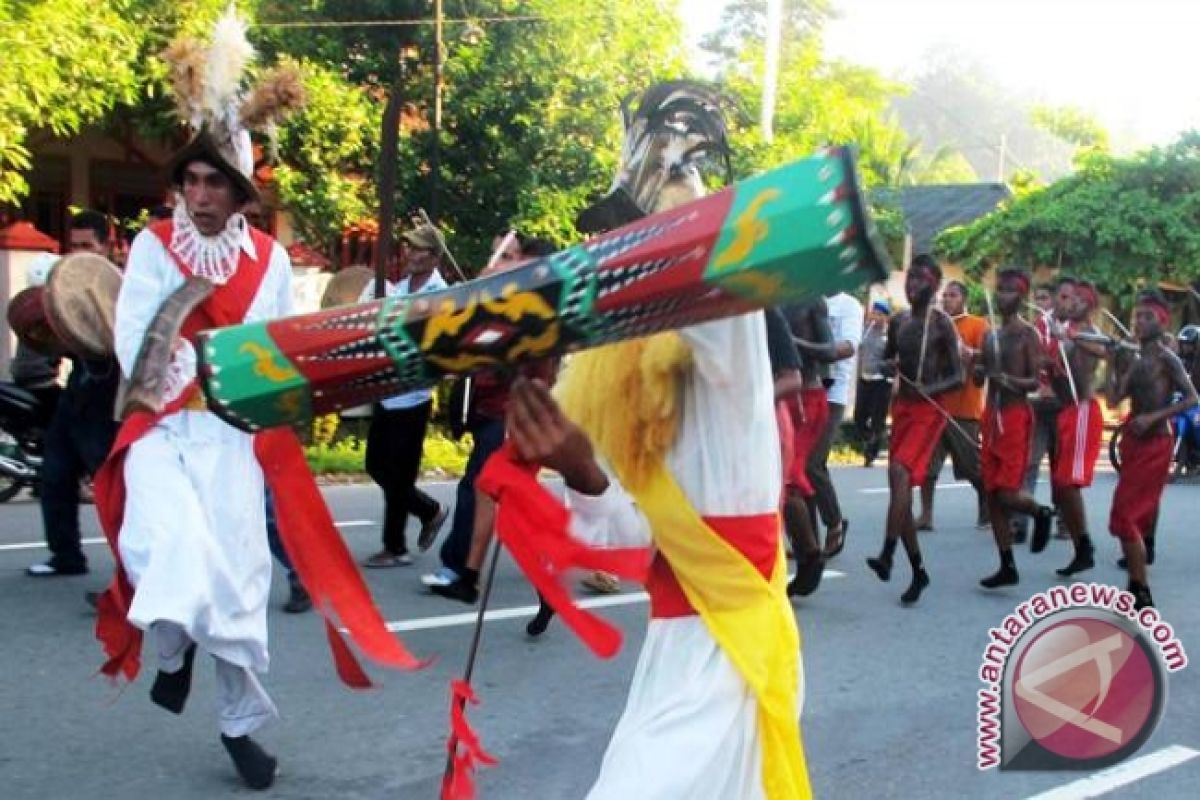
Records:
x=388, y=154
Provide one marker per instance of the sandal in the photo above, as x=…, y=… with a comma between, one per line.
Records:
x=384, y=559
x=839, y=537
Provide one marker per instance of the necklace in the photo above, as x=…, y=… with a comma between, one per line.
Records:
x=212, y=257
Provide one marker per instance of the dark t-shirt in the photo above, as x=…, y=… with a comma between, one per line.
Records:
x=780, y=347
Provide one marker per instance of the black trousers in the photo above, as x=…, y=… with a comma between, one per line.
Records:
x=76, y=444
x=394, y=442
x=489, y=436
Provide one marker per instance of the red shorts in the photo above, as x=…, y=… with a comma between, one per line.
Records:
x=1080, y=429
x=1145, y=466
x=1007, y=435
x=917, y=425
x=809, y=412
x=783, y=419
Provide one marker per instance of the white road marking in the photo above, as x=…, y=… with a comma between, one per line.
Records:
x=885, y=490
x=468, y=618
x=1123, y=774
x=354, y=523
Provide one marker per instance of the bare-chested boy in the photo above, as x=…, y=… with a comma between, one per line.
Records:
x=923, y=347
x=1080, y=424
x=1010, y=360
x=1149, y=380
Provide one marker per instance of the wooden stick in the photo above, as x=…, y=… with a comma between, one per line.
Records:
x=442, y=243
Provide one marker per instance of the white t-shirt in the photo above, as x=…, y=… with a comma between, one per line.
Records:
x=399, y=289
x=846, y=324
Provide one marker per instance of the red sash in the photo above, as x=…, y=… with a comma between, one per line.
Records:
x=309, y=536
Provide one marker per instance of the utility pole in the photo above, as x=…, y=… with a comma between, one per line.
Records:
x=435, y=154
x=1003, y=153
x=771, y=68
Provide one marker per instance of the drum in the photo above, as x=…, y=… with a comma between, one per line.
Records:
x=27, y=319
x=796, y=232
x=345, y=288
x=81, y=303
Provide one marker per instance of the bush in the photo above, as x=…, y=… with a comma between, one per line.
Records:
x=442, y=458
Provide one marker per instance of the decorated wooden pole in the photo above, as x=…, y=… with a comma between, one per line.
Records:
x=797, y=231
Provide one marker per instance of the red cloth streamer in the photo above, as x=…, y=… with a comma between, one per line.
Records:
x=533, y=525
x=466, y=751
x=309, y=536
x=317, y=552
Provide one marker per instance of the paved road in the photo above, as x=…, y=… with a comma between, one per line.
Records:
x=891, y=691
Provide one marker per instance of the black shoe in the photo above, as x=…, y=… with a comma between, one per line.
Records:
x=808, y=577
x=1020, y=536
x=458, y=590
x=1005, y=576
x=882, y=567
x=920, y=582
x=256, y=766
x=1141, y=596
x=1042, y=522
x=170, y=689
x=298, y=600
x=55, y=568
x=537, y=626
x=1084, y=559
x=93, y=599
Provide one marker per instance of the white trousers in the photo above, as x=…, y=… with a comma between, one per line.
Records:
x=244, y=704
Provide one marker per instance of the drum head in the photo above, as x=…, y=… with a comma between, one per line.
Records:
x=81, y=303
x=346, y=287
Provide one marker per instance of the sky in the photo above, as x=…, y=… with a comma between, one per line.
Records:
x=1135, y=64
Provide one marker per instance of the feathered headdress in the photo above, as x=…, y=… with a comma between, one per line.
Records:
x=209, y=95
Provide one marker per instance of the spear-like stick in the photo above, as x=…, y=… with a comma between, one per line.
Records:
x=442, y=243
x=995, y=336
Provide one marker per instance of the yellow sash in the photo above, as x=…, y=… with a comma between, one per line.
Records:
x=750, y=619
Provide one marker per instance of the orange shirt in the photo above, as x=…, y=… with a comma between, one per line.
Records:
x=967, y=402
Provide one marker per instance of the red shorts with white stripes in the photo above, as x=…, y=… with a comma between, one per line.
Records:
x=1080, y=429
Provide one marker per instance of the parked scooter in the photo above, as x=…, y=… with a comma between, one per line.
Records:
x=21, y=436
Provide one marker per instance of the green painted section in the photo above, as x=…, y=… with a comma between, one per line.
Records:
x=253, y=379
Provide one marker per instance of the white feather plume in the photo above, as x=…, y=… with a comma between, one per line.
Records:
x=228, y=56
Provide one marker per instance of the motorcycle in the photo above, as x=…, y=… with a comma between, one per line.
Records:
x=21, y=433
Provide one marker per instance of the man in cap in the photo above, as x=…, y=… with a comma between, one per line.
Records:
x=398, y=424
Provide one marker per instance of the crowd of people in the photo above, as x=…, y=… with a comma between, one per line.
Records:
x=192, y=507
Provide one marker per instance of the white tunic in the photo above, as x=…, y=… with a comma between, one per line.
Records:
x=193, y=540
x=690, y=726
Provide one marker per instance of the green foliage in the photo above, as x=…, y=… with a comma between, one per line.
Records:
x=1121, y=222
x=327, y=155
x=1072, y=124
x=65, y=64
x=442, y=456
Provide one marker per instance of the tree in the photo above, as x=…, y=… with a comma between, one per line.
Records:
x=66, y=64
x=1121, y=222
x=530, y=128
x=954, y=101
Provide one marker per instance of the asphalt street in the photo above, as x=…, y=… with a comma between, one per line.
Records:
x=891, y=691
